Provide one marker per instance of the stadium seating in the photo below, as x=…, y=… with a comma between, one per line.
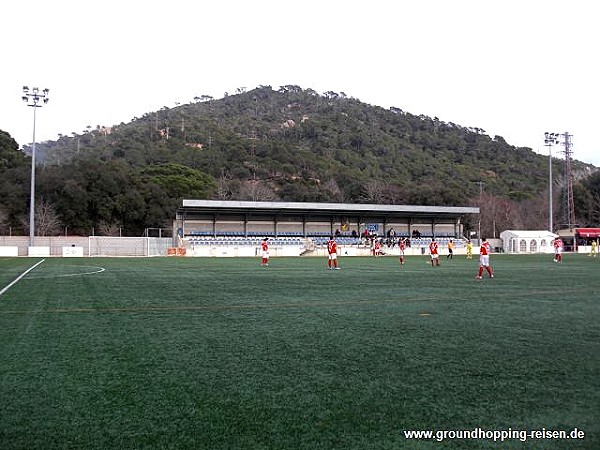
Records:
x=234, y=240
x=312, y=238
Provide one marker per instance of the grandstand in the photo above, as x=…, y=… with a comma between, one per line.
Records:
x=235, y=228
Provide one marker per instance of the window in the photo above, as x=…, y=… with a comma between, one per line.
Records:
x=533, y=246
x=523, y=246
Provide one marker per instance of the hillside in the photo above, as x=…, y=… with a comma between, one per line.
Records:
x=289, y=144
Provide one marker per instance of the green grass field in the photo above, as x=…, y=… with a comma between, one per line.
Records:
x=194, y=353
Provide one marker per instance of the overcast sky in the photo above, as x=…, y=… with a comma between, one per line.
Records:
x=515, y=68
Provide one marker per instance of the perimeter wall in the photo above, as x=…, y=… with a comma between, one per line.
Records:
x=118, y=246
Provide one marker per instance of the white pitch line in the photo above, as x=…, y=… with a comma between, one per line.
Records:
x=100, y=270
x=7, y=287
x=92, y=272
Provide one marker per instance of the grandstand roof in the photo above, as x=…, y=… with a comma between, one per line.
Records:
x=327, y=208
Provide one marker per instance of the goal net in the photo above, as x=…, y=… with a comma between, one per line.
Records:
x=128, y=246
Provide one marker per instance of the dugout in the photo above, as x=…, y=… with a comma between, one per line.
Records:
x=219, y=218
x=587, y=234
x=583, y=238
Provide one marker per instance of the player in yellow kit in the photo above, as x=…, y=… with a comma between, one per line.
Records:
x=469, y=250
x=594, y=250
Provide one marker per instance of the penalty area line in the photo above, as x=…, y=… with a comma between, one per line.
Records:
x=16, y=280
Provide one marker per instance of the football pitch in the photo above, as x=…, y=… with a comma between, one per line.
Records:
x=220, y=353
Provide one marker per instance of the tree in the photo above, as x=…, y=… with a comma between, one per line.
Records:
x=47, y=221
x=334, y=191
x=91, y=192
x=373, y=192
x=498, y=214
x=109, y=229
x=223, y=191
x=4, y=223
x=256, y=191
x=586, y=195
x=180, y=181
x=14, y=181
x=10, y=156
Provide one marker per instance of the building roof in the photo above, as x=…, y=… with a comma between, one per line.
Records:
x=528, y=233
x=588, y=232
x=326, y=208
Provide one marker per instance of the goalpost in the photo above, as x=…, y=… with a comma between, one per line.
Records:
x=128, y=246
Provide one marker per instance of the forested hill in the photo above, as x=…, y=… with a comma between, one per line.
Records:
x=306, y=146
x=288, y=144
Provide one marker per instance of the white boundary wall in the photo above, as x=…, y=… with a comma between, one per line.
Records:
x=72, y=252
x=9, y=251
x=37, y=251
x=74, y=246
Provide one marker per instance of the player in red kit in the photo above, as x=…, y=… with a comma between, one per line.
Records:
x=265, y=252
x=332, y=254
x=484, y=259
x=433, y=251
x=402, y=247
x=558, y=249
x=376, y=248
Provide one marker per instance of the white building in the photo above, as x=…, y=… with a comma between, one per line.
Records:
x=528, y=241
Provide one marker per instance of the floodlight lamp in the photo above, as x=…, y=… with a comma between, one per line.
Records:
x=551, y=138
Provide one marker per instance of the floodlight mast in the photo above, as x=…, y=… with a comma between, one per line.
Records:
x=33, y=97
x=550, y=139
x=570, y=206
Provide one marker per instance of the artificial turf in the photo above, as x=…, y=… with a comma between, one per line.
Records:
x=206, y=353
